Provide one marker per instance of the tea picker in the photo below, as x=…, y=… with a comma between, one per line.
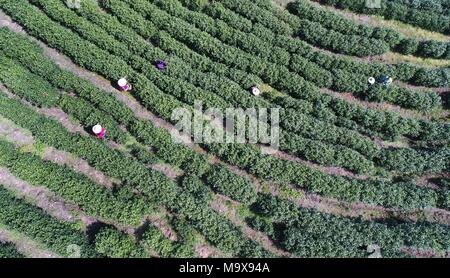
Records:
x=161, y=65
x=99, y=131
x=371, y=80
x=386, y=80
x=255, y=91
x=123, y=85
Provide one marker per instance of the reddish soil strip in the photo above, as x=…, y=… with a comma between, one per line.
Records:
x=424, y=180
x=219, y=205
x=79, y=165
x=141, y=112
x=206, y=251
x=16, y=134
x=422, y=253
x=25, y=245
x=45, y=199
x=167, y=170
x=62, y=118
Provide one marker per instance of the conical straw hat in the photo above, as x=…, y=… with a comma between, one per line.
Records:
x=122, y=82
x=97, y=129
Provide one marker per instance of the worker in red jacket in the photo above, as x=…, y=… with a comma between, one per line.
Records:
x=99, y=131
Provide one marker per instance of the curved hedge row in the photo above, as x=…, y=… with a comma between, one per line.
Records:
x=266, y=166
x=393, y=10
x=206, y=220
x=395, y=40
x=155, y=240
x=200, y=215
x=33, y=222
x=260, y=16
x=343, y=137
x=217, y=228
x=144, y=131
x=395, y=195
x=219, y=29
x=402, y=71
x=39, y=92
x=351, y=83
x=314, y=234
x=410, y=161
x=112, y=162
x=405, y=72
x=95, y=200
x=347, y=43
x=298, y=146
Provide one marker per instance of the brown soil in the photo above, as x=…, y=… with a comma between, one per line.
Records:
x=79, y=165
x=63, y=119
x=15, y=134
x=167, y=170
x=45, y=199
x=219, y=205
x=206, y=251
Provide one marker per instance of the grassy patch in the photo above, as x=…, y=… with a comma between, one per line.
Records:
x=393, y=58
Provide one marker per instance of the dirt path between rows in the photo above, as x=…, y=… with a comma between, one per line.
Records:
x=17, y=135
x=25, y=245
x=219, y=204
x=139, y=110
x=77, y=164
x=45, y=199
x=65, y=63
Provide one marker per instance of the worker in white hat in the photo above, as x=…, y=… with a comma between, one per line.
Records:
x=123, y=84
x=99, y=131
x=371, y=80
x=255, y=91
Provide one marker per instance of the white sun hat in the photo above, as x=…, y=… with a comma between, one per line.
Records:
x=371, y=80
x=256, y=91
x=122, y=82
x=97, y=129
